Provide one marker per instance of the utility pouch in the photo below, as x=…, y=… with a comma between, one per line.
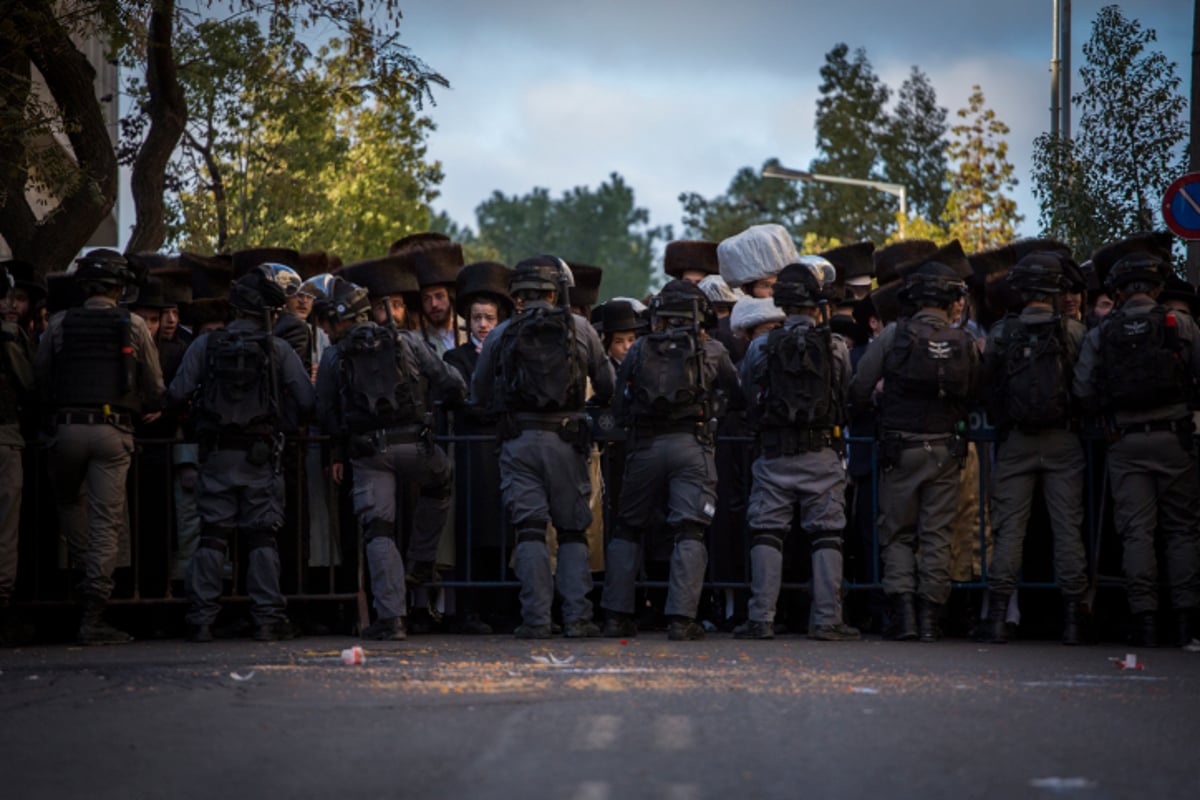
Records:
x=259, y=454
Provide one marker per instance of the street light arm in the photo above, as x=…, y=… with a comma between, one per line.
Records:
x=773, y=171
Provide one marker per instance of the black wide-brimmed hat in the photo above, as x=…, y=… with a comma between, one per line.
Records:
x=617, y=316
x=388, y=276
x=886, y=259
x=1178, y=289
x=950, y=255
x=586, y=292
x=853, y=262
x=211, y=275
x=1154, y=243
x=248, y=259
x=150, y=295
x=482, y=280
x=62, y=292
x=24, y=276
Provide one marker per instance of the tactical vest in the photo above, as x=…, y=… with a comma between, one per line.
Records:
x=796, y=384
x=1143, y=362
x=381, y=382
x=666, y=380
x=926, y=378
x=540, y=369
x=235, y=396
x=1034, y=390
x=95, y=366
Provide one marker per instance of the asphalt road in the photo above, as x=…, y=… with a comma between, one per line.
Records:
x=492, y=717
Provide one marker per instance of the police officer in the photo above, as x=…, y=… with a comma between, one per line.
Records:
x=1138, y=369
x=796, y=380
x=372, y=397
x=1028, y=364
x=929, y=370
x=675, y=383
x=16, y=389
x=97, y=367
x=533, y=368
x=246, y=387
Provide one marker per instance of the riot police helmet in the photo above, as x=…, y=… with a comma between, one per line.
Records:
x=798, y=285
x=104, y=266
x=681, y=300
x=541, y=274
x=1136, y=268
x=256, y=291
x=288, y=279
x=347, y=302
x=933, y=284
x=1041, y=272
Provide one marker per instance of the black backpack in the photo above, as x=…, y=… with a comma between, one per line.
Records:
x=666, y=381
x=540, y=369
x=797, y=385
x=381, y=382
x=235, y=395
x=1143, y=362
x=1035, y=384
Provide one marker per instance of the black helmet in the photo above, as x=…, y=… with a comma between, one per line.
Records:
x=104, y=266
x=541, y=273
x=681, y=299
x=288, y=279
x=798, y=285
x=1041, y=273
x=1136, y=268
x=256, y=291
x=347, y=301
x=933, y=284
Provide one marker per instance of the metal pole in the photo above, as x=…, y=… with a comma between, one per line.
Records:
x=1064, y=83
x=1193, y=250
x=904, y=207
x=1055, y=111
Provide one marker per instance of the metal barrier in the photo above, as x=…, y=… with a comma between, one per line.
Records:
x=152, y=577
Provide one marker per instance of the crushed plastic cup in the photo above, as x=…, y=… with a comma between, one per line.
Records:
x=354, y=655
x=1130, y=661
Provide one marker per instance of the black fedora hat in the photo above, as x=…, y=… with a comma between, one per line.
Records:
x=150, y=295
x=617, y=316
x=483, y=280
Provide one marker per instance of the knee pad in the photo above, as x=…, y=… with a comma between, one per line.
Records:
x=439, y=492
x=567, y=537
x=215, y=537
x=769, y=538
x=260, y=537
x=688, y=531
x=532, y=532
x=378, y=529
x=826, y=540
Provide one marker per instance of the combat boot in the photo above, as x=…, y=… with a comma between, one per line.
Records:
x=1072, y=620
x=684, y=629
x=996, y=629
x=620, y=626
x=582, y=629
x=92, y=627
x=279, y=630
x=754, y=629
x=902, y=613
x=838, y=632
x=385, y=629
x=1185, y=626
x=526, y=631
x=1145, y=632
x=927, y=621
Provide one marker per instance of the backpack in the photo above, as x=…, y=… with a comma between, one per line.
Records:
x=1143, y=363
x=95, y=366
x=927, y=378
x=1035, y=384
x=797, y=385
x=666, y=381
x=540, y=369
x=235, y=395
x=380, y=379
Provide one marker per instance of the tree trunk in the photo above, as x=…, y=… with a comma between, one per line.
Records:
x=32, y=34
x=168, y=115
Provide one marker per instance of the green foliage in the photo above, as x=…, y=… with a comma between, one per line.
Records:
x=750, y=199
x=978, y=212
x=1108, y=182
x=913, y=146
x=293, y=150
x=850, y=126
x=603, y=227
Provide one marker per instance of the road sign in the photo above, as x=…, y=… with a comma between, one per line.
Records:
x=1181, y=207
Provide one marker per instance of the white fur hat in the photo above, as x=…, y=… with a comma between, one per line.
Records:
x=758, y=252
x=718, y=291
x=750, y=312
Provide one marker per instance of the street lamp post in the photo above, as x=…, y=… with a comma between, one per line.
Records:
x=783, y=173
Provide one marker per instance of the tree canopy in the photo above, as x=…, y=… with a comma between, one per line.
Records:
x=978, y=212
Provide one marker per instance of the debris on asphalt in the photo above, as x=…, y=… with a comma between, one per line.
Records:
x=237, y=676
x=551, y=661
x=354, y=655
x=1130, y=661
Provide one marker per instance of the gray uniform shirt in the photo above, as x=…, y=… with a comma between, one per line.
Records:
x=296, y=392
x=587, y=342
x=1087, y=368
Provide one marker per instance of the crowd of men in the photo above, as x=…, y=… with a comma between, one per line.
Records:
x=749, y=341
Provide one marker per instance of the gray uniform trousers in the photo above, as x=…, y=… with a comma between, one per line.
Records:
x=544, y=478
x=1154, y=487
x=918, y=501
x=377, y=479
x=680, y=467
x=817, y=481
x=1056, y=458
x=233, y=494
x=12, y=481
x=89, y=464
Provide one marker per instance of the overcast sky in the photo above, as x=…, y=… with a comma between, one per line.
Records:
x=677, y=96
